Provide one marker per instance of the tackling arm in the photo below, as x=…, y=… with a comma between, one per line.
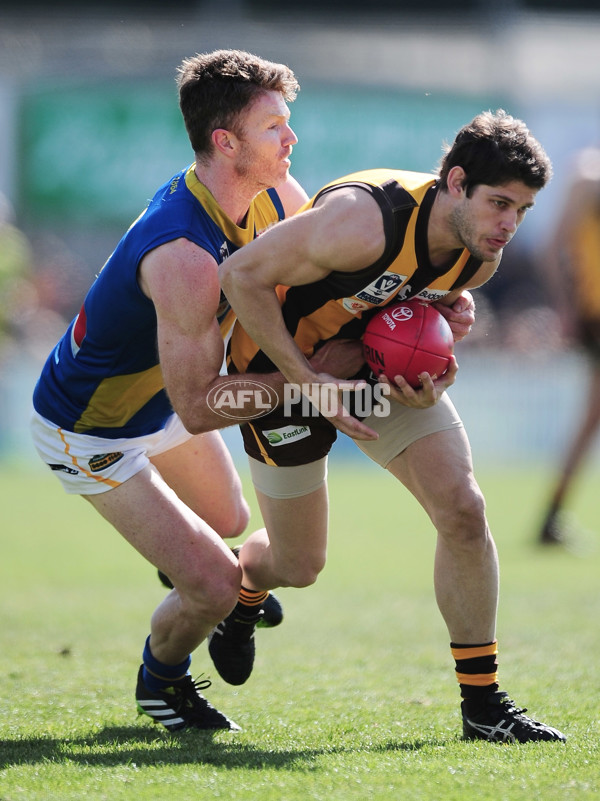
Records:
x=182, y=281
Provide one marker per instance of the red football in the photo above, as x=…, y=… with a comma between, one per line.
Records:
x=407, y=339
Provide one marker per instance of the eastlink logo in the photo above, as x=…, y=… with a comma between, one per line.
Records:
x=281, y=436
x=234, y=399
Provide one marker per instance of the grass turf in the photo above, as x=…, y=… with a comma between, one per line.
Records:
x=353, y=697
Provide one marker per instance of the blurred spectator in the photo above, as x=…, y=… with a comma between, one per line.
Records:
x=16, y=263
x=572, y=266
x=30, y=318
x=39, y=286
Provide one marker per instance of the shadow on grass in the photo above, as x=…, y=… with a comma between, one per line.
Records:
x=124, y=745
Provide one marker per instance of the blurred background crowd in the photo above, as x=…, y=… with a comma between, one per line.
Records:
x=90, y=127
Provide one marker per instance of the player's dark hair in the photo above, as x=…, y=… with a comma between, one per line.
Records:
x=493, y=149
x=214, y=88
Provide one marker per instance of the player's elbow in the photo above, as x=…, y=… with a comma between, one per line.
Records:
x=229, y=277
x=239, y=279
x=200, y=420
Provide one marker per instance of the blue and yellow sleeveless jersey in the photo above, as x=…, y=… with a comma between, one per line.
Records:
x=104, y=377
x=340, y=304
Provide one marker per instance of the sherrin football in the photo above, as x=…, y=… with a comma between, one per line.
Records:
x=408, y=338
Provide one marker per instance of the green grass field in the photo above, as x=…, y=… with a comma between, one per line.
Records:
x=354, y=697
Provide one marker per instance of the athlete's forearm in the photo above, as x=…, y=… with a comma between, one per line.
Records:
x=259, y=312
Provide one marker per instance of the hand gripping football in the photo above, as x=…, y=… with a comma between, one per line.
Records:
x=408, y=338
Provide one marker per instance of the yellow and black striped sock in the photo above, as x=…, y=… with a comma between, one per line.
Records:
x=476, y=669
x=250, y=601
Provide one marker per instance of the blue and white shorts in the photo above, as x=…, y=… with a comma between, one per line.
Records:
x=90, y=465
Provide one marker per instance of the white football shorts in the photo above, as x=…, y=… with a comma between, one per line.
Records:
x=90, y=465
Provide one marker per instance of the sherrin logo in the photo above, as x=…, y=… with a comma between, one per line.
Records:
x=233, y=397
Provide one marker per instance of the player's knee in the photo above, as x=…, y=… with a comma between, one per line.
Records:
x=217, y=604
x=465, y=520
x=301, y=573
x=212, y=597
x=235, y=519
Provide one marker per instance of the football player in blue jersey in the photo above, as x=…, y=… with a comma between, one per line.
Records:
x=120, y=409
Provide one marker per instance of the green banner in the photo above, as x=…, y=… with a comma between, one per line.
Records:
x=95, y=154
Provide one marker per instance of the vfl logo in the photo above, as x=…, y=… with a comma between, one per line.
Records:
x=231, y=399
x=386, y=284
x=103, y=460
x=377, y=292
x=382, y=288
